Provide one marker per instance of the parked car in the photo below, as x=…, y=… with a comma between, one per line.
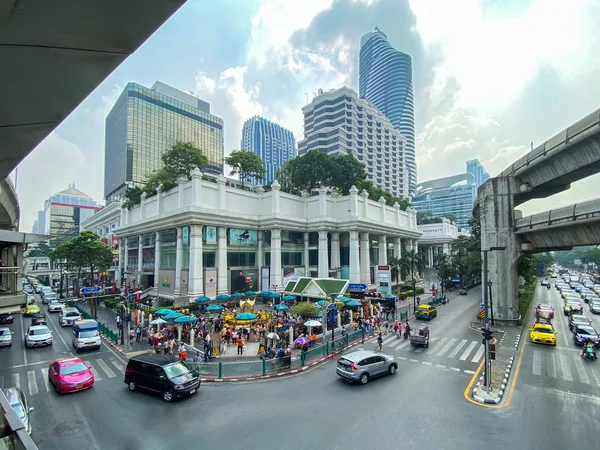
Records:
x=18, y=402
x=5, y=337
x=363, y=365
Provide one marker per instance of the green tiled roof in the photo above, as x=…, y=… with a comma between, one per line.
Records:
x=301, y=285
x=332, y=286
x=289, y=287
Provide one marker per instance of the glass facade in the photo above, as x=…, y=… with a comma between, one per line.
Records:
x=475, y=168
x=144, y=123
x=273, y=143
x=385, y=79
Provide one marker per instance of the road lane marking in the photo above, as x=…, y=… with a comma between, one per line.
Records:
x=537, y=363
x=594, y=375
x=565, y=369
x=479, y=354
x=551, y=366
x=402, y=358
x=414, y=360
x=16, y=380
x=119, y=367
x=581, y=370
x=94, y=371
x=23, y=332
x=447, y=347
x=470, y=372
x=105, y=368
x=468, y=351
x=395, y=343
x=441, y=366
x=45, y=377
x=32, y=383
x=460, y=345
x=427, y=363
x=456, y=369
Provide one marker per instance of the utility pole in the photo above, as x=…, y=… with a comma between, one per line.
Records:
x=486, y=331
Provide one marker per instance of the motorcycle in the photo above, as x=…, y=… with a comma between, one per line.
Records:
x=590, y=353
x=548, y=286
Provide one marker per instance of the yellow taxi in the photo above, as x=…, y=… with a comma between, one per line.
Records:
x=32, y=309
x=543, y=333
x=426, y=312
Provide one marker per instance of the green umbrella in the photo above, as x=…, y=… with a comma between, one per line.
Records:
x=237, y=295
x=245, y=316
x=250, y=293
x=202, y=299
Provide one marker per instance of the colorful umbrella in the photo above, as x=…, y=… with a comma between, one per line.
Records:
x=289, y=298
x=353, y=303
x=266, y=293
x=322, y=302
x=245, y=316
x=186, y=319
x=237, y=295
x=222, y=297
x=302, y=340
x=203, y=299
x=275, y=295
x=214, y=308
x=312, y=323
x=274, y=336
x=250, y=293
x=164, y=312
x=281, y=307
x=341, y=298
x=172, y=316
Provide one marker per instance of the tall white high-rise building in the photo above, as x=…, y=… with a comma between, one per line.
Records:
x=337, y=122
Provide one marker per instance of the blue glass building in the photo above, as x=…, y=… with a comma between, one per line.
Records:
x=385, y=79
x=475, y=168
x=273, y=143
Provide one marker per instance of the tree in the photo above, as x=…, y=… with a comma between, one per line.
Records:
x=182, y=159
x=396, y=268
x=247, y=164
x=306, y=310
x=533, y=266
x=445, y=269
x=41, y=249
x=306, y=173
x=413, y=260
x=347, y=171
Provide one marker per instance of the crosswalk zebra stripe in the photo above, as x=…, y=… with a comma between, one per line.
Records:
x=478, y=355
x=581, y=370
x=551, y=366
x=468, y=351
x=565, y=368
x=537, y=363
x=434, y=344
x=105, y=368
x=447, y=347
x=390, y=339
x=94, y=372
x=118, y=365
x=404, y=344
x=32, y=383
x=45, y=377
x=395, y=343
x=16, y=380
x=595, y=377
x=460, y=345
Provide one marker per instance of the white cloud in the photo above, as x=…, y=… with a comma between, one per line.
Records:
x=54, y=164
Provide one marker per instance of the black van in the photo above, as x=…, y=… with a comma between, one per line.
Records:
x=169, y=377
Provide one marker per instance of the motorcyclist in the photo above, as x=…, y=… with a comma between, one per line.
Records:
x=584, y=350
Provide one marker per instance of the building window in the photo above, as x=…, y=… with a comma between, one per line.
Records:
x=291, y=258
x=208, y=259
x=241, y=259
x=313, y=257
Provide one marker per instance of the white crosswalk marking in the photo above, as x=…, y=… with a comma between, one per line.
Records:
x=537, y=363
x=468, y=351
x=94, y=371
x=460, y=345
x=565, y=368
x=580, y=369
x=395, y=343
x=45, y=378
x=105, y=368
x=118, y=365
x=446, y=347
x=404, y=344
x=478, y=355
x=551, y=366
x=16, y=380
x=595, y=377
x=31, y=383
x=388, y=340
x=435, y=343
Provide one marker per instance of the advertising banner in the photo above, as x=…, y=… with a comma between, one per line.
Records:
x=265, y=275
x=210, y=235
x=384, y=280
x=292, y=274
x=239, y=236
x=186, y=235
x=210, y=282
x=114, y=241
x=243, y=279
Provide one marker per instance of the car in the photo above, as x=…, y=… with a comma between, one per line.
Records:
x=67, y=316
x=426, y=312
x=55, y=306
x=363, y=365
x=48, y=297
x=573, y=307
x=584, y=333
x=32, y=309
x=545, y=282
x=545, y=310
x=70, y=375
x=578, y=319
x=38, y=289
x=6, y=318
x=28, y=289
x=542, y=333
x=5, y=337
x=161, y=374
x=554, y=275
x=18, y=402
x=595, y=306
x=30, y=299
x=462, y=291
x=38, y=336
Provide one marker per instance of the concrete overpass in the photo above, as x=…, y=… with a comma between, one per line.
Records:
x=571, y=155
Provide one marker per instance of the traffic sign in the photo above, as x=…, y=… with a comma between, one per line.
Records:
x=90, y=290
x=357, y=287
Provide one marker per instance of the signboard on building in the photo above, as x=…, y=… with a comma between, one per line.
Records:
x=292, y=274
x=240, y=236
x=243, y=279
x=383, y=279
x=114, y=241
x=210, y=282
x=210, y=235
x=186, y=234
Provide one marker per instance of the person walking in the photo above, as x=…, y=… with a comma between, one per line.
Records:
x=380, y=341
x=138, y=334
x=240, y=346
x=182, y=352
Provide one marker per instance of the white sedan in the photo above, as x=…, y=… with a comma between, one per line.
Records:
x=55, y=306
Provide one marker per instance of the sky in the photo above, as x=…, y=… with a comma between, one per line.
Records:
x=490, y=78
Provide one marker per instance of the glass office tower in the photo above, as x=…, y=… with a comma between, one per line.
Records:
x=475, y=168
x=144, y=123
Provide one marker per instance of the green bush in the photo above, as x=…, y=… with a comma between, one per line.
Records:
x=525, y=298
x=110, y=303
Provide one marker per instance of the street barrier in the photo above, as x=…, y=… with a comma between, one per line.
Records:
x=403, y=315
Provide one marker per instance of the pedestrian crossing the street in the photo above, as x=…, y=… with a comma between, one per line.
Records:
x=34, y=380
x=567, y=367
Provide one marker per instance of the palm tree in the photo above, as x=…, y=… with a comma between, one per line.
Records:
x=396, y=267
x=413, y=260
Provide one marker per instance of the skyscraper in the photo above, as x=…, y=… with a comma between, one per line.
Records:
x=145, y=123
x=270, y=141
x=385, y=79
x=475, y=168
x=337, y=122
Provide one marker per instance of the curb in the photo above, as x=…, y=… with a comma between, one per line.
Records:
x=286, y=373
x=112, y=344
x=498, y=399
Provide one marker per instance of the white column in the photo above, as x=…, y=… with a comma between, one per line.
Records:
x=430, y=256
x=178, y=261
x=408, y=245
x=335, y=253
x=382, y=250
x=365, y=259
x=291, y=336
x=259, y=260
x=125, y=258
x=397, y=248
x=156, y=259
x=306, y=257
x=323, y=257
x=140, y=266
x=446, y=249
x=415, y=245
x=276, y=274
x=196, y=272
x=355, y=275
x=120, y=269
x=222, y=260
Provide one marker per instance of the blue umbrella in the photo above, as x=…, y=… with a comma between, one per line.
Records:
x=250, y=293
x=321, y=303
x=289, y=298
x=266, y=293
x=281, y=307
x=163, y=312
x=172, y=316
x=237, y=295
x=223, y=297
x=202, y=299
x=186, y=319
x=341, y=298
x=215, y=308
x=275, y=295
x=353, y=303
x=245, y=316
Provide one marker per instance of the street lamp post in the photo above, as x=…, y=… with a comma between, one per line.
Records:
x=489, y=283
x=414, y=292
x=332, y=316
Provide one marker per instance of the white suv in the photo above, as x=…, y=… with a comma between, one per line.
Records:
x=67, y=316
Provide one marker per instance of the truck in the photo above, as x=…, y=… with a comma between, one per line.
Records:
x=86, y=335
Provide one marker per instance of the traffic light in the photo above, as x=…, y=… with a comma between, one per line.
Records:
x=487, y=334
x=492, y=351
